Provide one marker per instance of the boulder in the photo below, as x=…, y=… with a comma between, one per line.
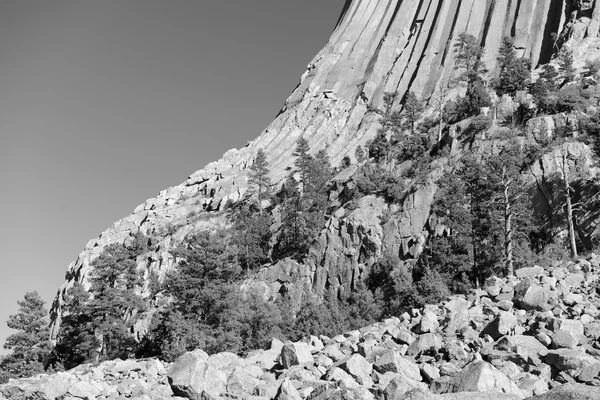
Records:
x=569, y=359
x=570, y=391
x=512, y=343
x=84, y=390
x=294, y=354
x=564, y=339
x=192, y=377
x=480, y=376
x=426, y=342
x=359, y=368
x=392, y=361
x=528, y=272
x=530, y=296
x=400, y=386
x=287, y=391
x=502, y=325
x=428, y=323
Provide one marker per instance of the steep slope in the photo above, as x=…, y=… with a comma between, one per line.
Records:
x=377, y=46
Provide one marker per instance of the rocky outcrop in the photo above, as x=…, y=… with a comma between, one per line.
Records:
x=483, y=345
x=377, y=46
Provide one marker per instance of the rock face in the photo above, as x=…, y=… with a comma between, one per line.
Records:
x=376, y=361
x=377, y=46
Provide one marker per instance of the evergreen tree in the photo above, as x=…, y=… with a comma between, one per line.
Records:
x=514, y=72
x=76, y=342
x=199, y=288
x=114, y=279
x=304, y=210
x=258, y=178
x=303, y=160
x=360, y=154
x=346, y=162
x=31, y=344
x=543, y=90
x=452, y=252
x=251, y=233
x=387, y=144
x=469, y=59
x=565, y=64
x=502, y=174
x=413, y=109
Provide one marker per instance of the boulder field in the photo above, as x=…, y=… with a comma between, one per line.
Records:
x=531, y=336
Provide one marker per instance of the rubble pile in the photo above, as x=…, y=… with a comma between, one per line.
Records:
x=534, y=335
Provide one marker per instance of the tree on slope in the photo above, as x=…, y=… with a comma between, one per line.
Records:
x=502, y=174
x=513, y=73
x=304, y=209
x=258, y=178
x=76, y=342
x=113, y=302
x=413, y=108
x=31, y=344
x=469, y=59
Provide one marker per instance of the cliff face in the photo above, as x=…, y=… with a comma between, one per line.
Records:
x=377, y=46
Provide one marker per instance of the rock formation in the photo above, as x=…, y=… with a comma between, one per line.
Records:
x=377, y=46
x=535, y=334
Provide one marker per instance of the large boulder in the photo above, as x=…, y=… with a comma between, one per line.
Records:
x=294, y=354
x=568, y=359
x=570, y=391
x=502, y=325
x=287, y=391
x=392, y=361
x=530, y=296
x=398, y=388
x=359, y=368
x=480, y=376
x=191, y=376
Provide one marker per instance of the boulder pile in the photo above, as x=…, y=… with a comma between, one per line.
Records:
x=535, y=335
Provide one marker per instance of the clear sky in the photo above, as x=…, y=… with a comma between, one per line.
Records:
x=103, y=103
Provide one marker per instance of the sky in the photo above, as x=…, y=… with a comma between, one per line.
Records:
x=105, y=103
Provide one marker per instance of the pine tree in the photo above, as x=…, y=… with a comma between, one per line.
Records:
x=469, y=59
x=76, y=342
x=502, y=174
x=514, y=72
x=360, y=154
x=452, y=251
x=302, y=160
x=258, y=178
x=303, y=211
x=565, y=63
x=251, y=233
x=413, y=108
x=114, y=279
x=31, y=344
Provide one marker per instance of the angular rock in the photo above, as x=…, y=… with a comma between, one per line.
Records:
x=480, y=376
x=424, y=343
x=392, y=361
x=529, y=272
x=571, y=391
x=530, y=296
x=294, y=354
x=192, y=377
x=564, y=339
x=400, y=386
x=568, y=359
x=287, y=391
x=502, y=325
x=359, y=368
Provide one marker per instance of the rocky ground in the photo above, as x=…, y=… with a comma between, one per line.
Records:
x=534, y=336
